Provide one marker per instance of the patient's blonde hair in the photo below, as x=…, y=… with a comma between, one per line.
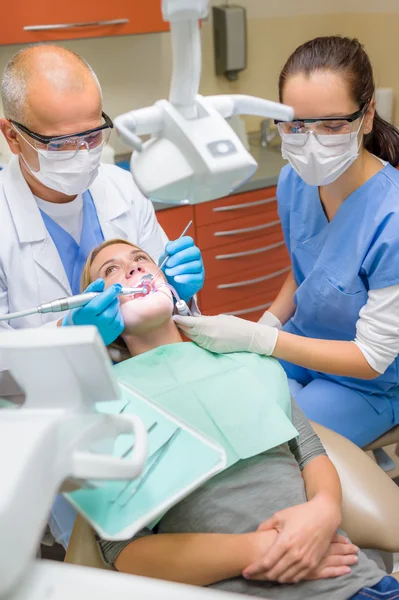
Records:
x=86, y=279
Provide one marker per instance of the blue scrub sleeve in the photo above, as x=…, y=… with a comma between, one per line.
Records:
x=381, y=264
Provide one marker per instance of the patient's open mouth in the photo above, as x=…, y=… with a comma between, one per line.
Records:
x=137, y=296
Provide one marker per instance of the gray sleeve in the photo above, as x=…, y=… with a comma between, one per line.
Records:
x=307, y=445
x=111, y=550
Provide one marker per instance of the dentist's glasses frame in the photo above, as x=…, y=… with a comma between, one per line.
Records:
x=327, y=130
x=51, y=145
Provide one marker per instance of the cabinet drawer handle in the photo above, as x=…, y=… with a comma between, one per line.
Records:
x=246, y=311
x=250, y=252
x=226, y=286
x=72, y=25
x=246, y=230
x=245, y=205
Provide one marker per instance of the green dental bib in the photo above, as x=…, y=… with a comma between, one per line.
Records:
x=226, y=408
x=239, y=400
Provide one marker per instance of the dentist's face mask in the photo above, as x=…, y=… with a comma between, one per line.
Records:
x=323, y=151
x=68, y=164
x=72, y=175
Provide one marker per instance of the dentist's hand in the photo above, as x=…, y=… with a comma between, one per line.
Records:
x=103, y=312
x=225, y=333
x=184, y=268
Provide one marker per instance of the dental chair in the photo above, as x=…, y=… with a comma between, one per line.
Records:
x=370, y=504
x=386, y=462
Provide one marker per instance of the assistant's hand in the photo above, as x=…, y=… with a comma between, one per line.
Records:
x=305, y=534
x=268, y=318
x=184, y=269
x=225, y=333
x=103, y=312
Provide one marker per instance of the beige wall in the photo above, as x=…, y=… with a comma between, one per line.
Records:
x=135, y=70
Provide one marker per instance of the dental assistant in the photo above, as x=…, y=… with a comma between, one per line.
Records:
x=57, y=203
x=335, y=323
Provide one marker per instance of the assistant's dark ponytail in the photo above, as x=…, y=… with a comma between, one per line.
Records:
x=345, y=55
x=383, y=141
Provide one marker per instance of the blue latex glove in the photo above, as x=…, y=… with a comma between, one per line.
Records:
x=184, y=268
x=103, y=312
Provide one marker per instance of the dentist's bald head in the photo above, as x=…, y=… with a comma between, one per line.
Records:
x=51, y=90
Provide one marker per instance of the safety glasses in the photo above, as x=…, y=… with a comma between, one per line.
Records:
x=71, y=143
x=327, y=130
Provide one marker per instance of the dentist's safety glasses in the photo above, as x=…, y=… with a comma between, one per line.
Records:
x=328, y=131
x=63, y=147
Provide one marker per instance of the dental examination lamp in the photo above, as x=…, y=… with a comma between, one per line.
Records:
x=193, y=154
x=58, y=440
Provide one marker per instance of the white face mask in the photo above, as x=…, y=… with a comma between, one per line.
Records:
x=317, y=164
x=72, y=175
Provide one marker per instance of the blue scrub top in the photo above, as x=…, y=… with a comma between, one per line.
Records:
x=336, y=263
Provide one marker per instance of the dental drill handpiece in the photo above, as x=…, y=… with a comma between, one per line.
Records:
x=68, y=303
x=79, y=300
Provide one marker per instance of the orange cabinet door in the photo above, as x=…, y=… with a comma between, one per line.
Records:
x=239, y=230
x=25, y=21
x=251, y=308
x=238, y=206
x=248, y=256
x=174, y=220
x=239, y=290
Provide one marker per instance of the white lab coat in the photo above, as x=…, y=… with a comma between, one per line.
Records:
x=31, y=271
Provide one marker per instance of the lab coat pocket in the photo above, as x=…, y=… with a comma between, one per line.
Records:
x=338, y=308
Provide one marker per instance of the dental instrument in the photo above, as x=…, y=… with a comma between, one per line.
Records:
x=181, y=305
x=125, y=454
x=165, y=260
x=155, y=460
x=150, y=428
x=193, y=155
x=71, y=302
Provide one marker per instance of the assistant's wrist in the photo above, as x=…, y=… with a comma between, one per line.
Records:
x=268, y=318
x=264, y=339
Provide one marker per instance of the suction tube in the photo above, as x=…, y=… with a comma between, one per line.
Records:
x=181, y=305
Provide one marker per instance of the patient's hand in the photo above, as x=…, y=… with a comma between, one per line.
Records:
x=340, y=556
x=338, y=560
x=305, y=534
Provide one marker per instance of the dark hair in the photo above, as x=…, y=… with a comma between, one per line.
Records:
x=347, y=56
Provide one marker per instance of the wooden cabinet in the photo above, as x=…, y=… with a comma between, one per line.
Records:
x=24, y=21
x=242, y=244
x=174, y=220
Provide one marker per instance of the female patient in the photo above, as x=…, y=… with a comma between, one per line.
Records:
x=262, y=524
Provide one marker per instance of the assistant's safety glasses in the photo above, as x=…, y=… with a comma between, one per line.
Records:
x=325, y=129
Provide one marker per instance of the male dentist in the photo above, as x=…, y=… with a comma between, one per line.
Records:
x=57, y=203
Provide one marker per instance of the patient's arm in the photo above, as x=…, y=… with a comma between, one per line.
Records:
x=319, y=474
x=193, y=558
x=305, y=530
